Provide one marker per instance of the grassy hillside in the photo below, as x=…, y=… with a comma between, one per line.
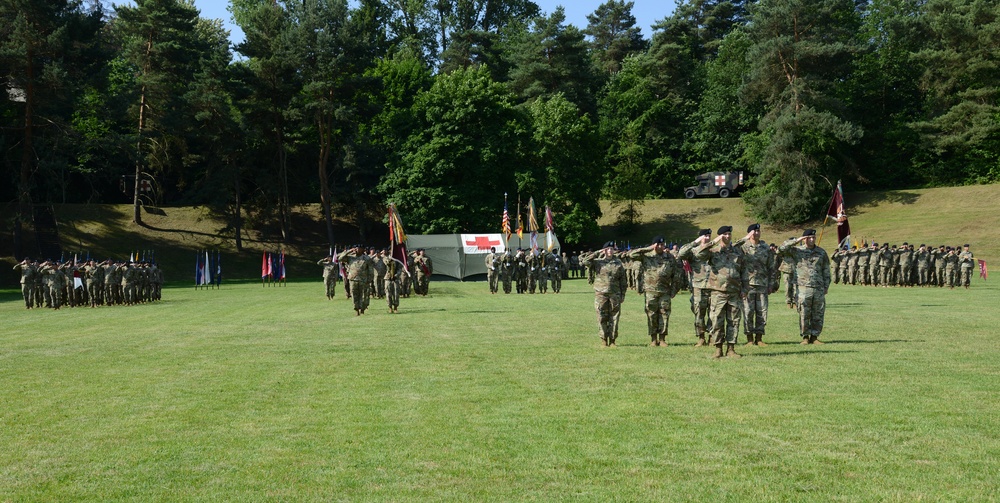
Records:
x=952, y=216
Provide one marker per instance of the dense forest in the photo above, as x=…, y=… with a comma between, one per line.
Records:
x=446, y=107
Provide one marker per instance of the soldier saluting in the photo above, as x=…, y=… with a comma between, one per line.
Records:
x=812, y=275
x=610, y=285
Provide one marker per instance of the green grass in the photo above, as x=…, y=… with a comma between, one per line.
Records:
x=276, y=394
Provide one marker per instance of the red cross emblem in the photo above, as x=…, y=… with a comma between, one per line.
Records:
x=720, y=180
x=483, y=243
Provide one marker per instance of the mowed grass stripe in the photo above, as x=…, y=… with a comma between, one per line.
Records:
x=251, y=393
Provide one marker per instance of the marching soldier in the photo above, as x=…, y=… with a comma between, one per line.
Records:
x=394, y=272
x=507, y=266
x=492, y=269
x=331, y=271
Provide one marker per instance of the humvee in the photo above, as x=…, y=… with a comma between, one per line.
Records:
x=717, y=182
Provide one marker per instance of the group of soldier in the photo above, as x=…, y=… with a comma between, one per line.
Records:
x=368, y=273
x=904, y=265
x=729, y=282
x=525, y=270
x=54, y=284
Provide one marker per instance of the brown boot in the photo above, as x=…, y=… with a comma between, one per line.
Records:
x=758, y=340
x=718, y=351
x=805, y=340
x=663, y=341
x=815, y=340
x=701, y=342
x=731, y=351
x=750, y=340
x=604, y=342
x=654, y=342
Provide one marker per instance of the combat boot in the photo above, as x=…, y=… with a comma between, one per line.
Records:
x=718, y=351
x=604, y=342
x=731, y=351
x=758, y=340
x=815, y=340
x=663, y=340
x=805, y=340
x=701, y=342
x=750, y=340
x=654, y=342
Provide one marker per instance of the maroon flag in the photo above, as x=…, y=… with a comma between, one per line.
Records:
x=397, y=237
x=836, y=212
x=982, y=269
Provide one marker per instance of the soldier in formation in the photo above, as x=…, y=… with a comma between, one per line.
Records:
x=905, y=265
x=728, y=284
x=423, y=268
x=68, y=284
x=359, y=270
x=662, y=278
x=493, y=269
x=331, y=271
x=761, y=274
x=698, y=278
x=610, y=285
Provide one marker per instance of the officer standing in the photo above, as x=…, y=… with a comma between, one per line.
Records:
x=700, y=296
x=760, y=273
x=661, y=280
x=812, y=272
x=331, y=270
x=610, y=285
x=358, y=270
x=492, y=268
x=728, y=284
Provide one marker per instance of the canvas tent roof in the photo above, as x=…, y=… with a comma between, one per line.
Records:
x=450, y=258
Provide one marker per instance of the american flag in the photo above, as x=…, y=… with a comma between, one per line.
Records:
x=505, y=222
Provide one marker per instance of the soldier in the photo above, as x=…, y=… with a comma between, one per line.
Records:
x=951, y=267
x=534, y=262
x=331, y=270
x=812, y=271
x=358, y=267
x=905, y=265
x=28, y=272
x=378, y=273
x=557, y=271
x=492, y=269
x=864, y=260
x=700, y=297
x=759, y=269
x=545, y=270
x=157, y=281
x=507, y=270
x=521, y=271
x=662, y=277
x=852, y=266
x=424, y=267
x=95, y=282
x=52, y=280
x=729, y=284
x=923, y=259
x=610, y=285
x=394, y=272
x=966, y=262
x=787, y=270
x=837, y=259
x=939, y=265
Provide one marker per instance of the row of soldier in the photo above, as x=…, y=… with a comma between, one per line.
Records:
x=905, y=265
x=368, y=273
x=729, y=281
x=524, y=270
x=55, y=284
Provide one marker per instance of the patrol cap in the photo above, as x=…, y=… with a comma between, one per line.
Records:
x=658, y=239
x=705, y=232
x=725, y=228
x=809, y=232
x=753, y=227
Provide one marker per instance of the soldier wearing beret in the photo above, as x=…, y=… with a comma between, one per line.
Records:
x=610, y=285
x=760, y=271
x=700, y=297
x=662, y=277
x=812, y=273
x=728, y=283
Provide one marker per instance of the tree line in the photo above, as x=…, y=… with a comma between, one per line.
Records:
x=443, y=106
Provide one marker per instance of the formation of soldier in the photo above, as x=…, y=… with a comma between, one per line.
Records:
x=730, y=283
x=369, y=273
x=525, y=271
x=67, y=284
x=904, y=265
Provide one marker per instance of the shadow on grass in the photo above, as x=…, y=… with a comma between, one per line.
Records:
x=881, y=341
x=871, y=199
x=797, y=353
x=846, y=304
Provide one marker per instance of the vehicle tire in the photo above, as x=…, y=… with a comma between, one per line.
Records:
x=723, y=192
x=689, y=194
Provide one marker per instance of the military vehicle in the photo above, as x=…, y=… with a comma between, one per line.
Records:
x=716, y=183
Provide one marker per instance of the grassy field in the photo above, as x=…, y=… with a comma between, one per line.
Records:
x=276, y=394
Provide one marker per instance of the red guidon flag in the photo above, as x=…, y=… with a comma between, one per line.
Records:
x=982, y=269
x=836, y=212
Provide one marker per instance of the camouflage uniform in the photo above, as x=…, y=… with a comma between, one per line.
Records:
x=728, y=283
x=951, y=268
x=610, y=285
x=378, y=275
x=493, y=270
x=557, y=269
x=905, y=266
x=939, y=266
x=331, y=271
x=966, y=262
x=506, y=270
x=394, y=272
x=661, y=280
x=28, y=272
x=923, y=259
x=787, y=269
x=837, y=259
x=423, y=267
x=358, y=269
x=700, y=296
x=759, y=269
x=864, y=261
x=812, y=272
